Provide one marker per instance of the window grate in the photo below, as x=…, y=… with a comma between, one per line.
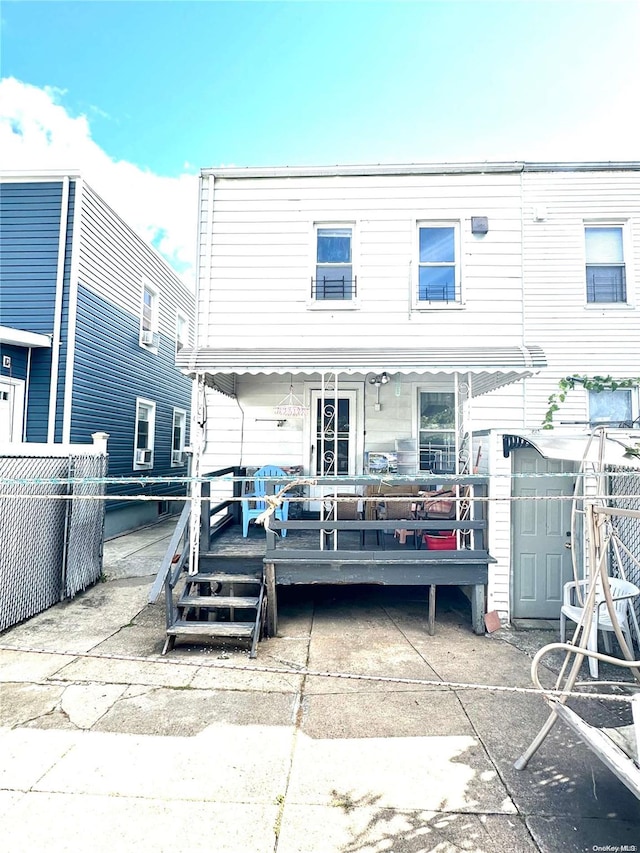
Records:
x=334, y=288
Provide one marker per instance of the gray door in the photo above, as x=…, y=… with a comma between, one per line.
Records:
x=541, y=534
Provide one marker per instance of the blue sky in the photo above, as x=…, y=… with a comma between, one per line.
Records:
x=169, y=87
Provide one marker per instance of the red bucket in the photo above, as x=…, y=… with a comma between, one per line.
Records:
x=440, y=542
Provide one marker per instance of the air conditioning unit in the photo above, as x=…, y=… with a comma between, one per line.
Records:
x=177, y=457
x=149, y=338
x=143, y=457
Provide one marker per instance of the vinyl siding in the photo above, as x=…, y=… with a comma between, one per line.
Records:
x=259, y=249
x=111, y=369
x=30, y=215
x=577, y=338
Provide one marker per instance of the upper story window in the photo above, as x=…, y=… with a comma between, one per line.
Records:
x=178, y=434
x=438, y=265
x=617, y=408
x=182, y=331
x=144, y=434
x=606, y=274
x=334, y=278
x=149, y=336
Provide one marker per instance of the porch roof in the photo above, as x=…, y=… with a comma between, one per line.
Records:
x=490, y=367
x=21, y=338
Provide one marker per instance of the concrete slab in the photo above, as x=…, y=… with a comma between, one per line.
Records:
x=85, y=704
x=25, y=666
x=435, y=773
x=103, y=824
x=9, y=800
x=563, y=777
x=84, y=622
x=380, y=714
x=24, y=702
x=152, y=673
x=385, y=653
x=27, y=754
x=187, y=712
x=577, y=835
x=354, y=825
x=212, y=678
x=219, y=766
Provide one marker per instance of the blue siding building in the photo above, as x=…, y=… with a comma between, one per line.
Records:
x=91, y=318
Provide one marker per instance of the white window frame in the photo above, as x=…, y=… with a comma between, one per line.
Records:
x=149, y=325
x=178, y=414
x=182, y=331
x=437, y=305
x=633, y=396
x=626, y=261
x=333, y=304
x=149, y=406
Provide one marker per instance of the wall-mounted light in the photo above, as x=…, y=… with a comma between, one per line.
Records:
x=378, y=380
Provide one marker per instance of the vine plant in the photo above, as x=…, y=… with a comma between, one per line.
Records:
x=590, y=383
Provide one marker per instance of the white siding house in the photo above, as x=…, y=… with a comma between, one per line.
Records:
x=462, y=284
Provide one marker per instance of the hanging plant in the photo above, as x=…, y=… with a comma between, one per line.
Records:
x=589, y=383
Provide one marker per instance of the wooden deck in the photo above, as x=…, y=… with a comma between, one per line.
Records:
x=299, y=559
x=353, y=550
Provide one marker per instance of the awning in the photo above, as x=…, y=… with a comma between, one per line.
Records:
x=20, y=338
x=576, y=448
x=490, y=367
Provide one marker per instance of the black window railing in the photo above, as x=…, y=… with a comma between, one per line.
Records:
x=606, y=283
x=334, y=288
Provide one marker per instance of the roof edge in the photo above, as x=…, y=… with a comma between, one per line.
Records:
x=363, y=170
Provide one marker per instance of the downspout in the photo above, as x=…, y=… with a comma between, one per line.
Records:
x=73, y=313
x=523, y=325
x=25, y=413
x=57, y=316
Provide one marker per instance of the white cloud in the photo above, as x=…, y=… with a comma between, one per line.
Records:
x=36, y=133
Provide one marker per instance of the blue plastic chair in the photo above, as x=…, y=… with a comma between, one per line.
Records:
x=254, y=503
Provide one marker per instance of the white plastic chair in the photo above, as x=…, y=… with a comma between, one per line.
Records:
x=622, y=594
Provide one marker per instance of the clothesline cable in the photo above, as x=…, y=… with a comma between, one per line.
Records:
x=306, y=671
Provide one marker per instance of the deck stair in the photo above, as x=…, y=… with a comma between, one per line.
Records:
x=219, y=605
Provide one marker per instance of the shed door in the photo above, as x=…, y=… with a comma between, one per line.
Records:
x=11, y=409
x=541, y=558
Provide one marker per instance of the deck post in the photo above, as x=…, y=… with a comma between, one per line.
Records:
x=272, y=601
x=431, y=625
x=477, y=608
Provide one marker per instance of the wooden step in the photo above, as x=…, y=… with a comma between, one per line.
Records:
x=222, y=577
x=182, y=628
x=218, y=601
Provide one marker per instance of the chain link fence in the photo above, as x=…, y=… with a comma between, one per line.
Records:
x=51, y=539
x=622, y=483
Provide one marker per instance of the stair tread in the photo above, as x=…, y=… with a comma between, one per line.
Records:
x=211, y=629
x=218, y=601
x=222, y=577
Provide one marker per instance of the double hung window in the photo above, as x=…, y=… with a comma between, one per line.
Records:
x=334, y=278
x=178, y=437
x=144, y=434
x=149, y=336
x=438, y=264
x=182, y=331
x=604, y=253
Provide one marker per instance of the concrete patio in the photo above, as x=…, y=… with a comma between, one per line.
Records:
x=107, y=746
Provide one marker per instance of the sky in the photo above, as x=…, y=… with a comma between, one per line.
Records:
x=139, y=96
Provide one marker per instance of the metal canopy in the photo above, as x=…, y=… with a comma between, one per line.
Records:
x=569, y=447
x=490, y=367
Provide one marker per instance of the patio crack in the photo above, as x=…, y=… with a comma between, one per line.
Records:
x=298, y=717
